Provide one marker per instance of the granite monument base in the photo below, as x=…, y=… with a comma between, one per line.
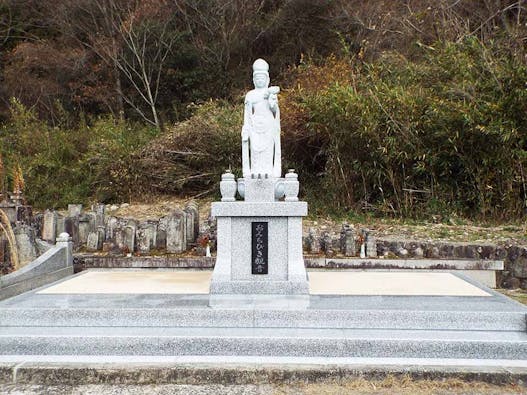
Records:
x=259, y=254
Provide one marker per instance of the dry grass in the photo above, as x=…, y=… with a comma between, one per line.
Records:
x=516, y=294
x=400, y=385
x=427, y=231
x=158, y=208
x=388, y=386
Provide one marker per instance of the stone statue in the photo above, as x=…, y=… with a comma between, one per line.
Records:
x=261, y=153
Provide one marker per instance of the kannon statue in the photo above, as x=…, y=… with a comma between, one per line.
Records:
x=261, y=153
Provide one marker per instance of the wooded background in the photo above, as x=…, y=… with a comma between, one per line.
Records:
x=406, y=108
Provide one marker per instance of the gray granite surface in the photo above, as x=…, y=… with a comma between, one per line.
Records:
x=259, y=209
x=264, y=342
x=482, y=328
x=54, y=264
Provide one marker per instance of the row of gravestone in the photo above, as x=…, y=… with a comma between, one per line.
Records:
x=92, y=230
x=350, y=242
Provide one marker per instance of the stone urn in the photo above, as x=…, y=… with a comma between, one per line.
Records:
x=292, y=186
x=228, y=187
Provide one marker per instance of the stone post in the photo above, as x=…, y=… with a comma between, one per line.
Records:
x=92, y=242
x=161, y=239
x=74, y=210
x=71, y=227
x=314, y=242
x=61, y=225
x=100, y=237
x=99, y=210
x=146, y=237
x=347, y=240
x=111, y=227
x=176, y=233
x=328, y=247
x=86, y=226
x=371, y=246
x=25, y=243
x=129, y=238
x=195, y=218
x=191, y=222
x=49, y=226
x=64, y=240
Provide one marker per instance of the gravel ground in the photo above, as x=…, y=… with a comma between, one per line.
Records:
x=168, y=389
x=386, y=387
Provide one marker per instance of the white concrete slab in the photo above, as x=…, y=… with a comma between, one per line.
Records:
x=147, y=281
x=485, y=277
x=134, y=282
x=391, y=283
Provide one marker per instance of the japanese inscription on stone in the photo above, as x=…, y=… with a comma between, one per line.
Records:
x=259, y=247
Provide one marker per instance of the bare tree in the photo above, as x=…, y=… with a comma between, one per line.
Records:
x=218, y=27
x=20, y=20
x=145, y=46
x=131, y=36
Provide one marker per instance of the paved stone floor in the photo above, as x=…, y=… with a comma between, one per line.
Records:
x=387, y=317
x=156, y=281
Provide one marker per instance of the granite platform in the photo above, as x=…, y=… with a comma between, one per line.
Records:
x=44, y=324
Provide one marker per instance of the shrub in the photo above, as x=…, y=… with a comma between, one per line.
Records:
x=47, y=156
x=190, y=157
x=442, y=133
x=65, y=164
x=450, y=125
x=111, y=159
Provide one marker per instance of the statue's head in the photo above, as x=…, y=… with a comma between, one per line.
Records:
x=260, y=73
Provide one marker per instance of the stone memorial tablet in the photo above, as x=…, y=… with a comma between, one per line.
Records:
x=259, y=243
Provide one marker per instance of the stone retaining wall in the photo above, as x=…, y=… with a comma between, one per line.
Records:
x=86, y=261
x=514, y=274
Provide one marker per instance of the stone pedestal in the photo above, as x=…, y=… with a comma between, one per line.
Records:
x=238, y=276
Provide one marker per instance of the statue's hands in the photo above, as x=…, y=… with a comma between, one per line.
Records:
x=273, y=101
x=273, y=92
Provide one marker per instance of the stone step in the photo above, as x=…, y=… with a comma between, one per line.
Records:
x=257, y=318
x=278, y=342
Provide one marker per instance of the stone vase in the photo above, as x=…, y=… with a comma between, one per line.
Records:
x=228, y=187
x=291, y=186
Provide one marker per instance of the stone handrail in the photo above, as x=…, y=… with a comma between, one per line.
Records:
x=54, y=264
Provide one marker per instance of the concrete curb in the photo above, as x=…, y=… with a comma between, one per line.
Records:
x=199, y=374
x=91, y=261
